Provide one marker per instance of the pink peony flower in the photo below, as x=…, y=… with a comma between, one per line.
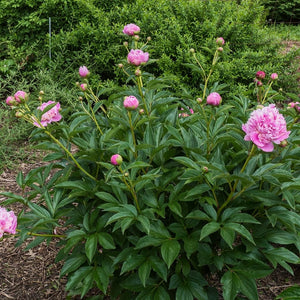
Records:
x=265, y=127
x=131, y=103
x=137, y=57
x=51, y=115
x=274, y=76
x=220, y=41
x=8, y=222
x=214, y=99
x=131, y=29
x=83, y=71
x=10, y=101
x=260, y=75
x=116, y=159
x=20, y=96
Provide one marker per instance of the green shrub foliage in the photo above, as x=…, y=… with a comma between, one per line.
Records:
x=84, y=32
x=193, y=205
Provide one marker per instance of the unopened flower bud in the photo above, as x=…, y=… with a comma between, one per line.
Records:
x=116, y=159
x=80, y=98
x=283, y=143
x=199, y=100
x=136, y=37
x=280, y=90
x=192, y=50
x=11, y=101
x=83, y=86
x=220, y=41
x=18, y=114
x=41, y=93
x=205, y=169
x=125, y=44
x=141, y=111
x=120, y=66
x=77, y=84
x=138, y=72
x=259, y=106
x=274, y=76
x=220, y=49
x=126, y=174
x=149, y=38
x=259, y=83
x=40, y=98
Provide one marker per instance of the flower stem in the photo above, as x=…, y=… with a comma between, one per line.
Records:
x=70, y=155
x=132, y=133
x=230, y=196
x=266, y=93
x=92, y=116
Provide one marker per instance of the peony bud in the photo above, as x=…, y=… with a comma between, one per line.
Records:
x=205, y=169
x=126, y=174
x=199, y=100
x=214, y=99
x=10, y=101
x=41, y=93
x=141, y=111
x=83, y=86
x=131, y=103
x=125, y=44
x=80, y=98
x=18, y=114
x=283, y=143
x=149, y=38
x=220, y=49
x=260, y=75
x=259, y=83
x=192, y=50
x=136, y=37
x=116, y=159
x=21, y=96
x=138, y=72
x=84, y=72
x=120, y=66
x=220, y=41
x=274, y=76
x=131, y=29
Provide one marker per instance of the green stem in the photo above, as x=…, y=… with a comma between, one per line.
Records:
x=131, y=189
x=140, y=85
x=132, y=133
x=266, y=93
x=44, y=235
x=230, y=196
x=70, y=155
x=92, y=116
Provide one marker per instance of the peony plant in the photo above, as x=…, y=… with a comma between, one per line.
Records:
x=159, y=195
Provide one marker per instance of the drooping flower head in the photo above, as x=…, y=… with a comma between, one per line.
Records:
x=220, y=41
x=260, y=75
x=137, y=57
x=20, y=96
x=274, y=76
x=8, y=221
x=84, y=72
x=131, y=103
x=265, y=127
x=51, y=115
x=116, y=159
x=214, y=99
x=131, y=29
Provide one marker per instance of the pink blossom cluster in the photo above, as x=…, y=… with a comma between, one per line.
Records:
x=260, y=75
x=8, y=221
x=131, y=29
x=51, y=115
x=265, y=127
x=19, y=97
x=137, y=57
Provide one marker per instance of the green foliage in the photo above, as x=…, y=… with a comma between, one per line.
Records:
x=191, y=198
x=283, y=10
x=83, y=32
